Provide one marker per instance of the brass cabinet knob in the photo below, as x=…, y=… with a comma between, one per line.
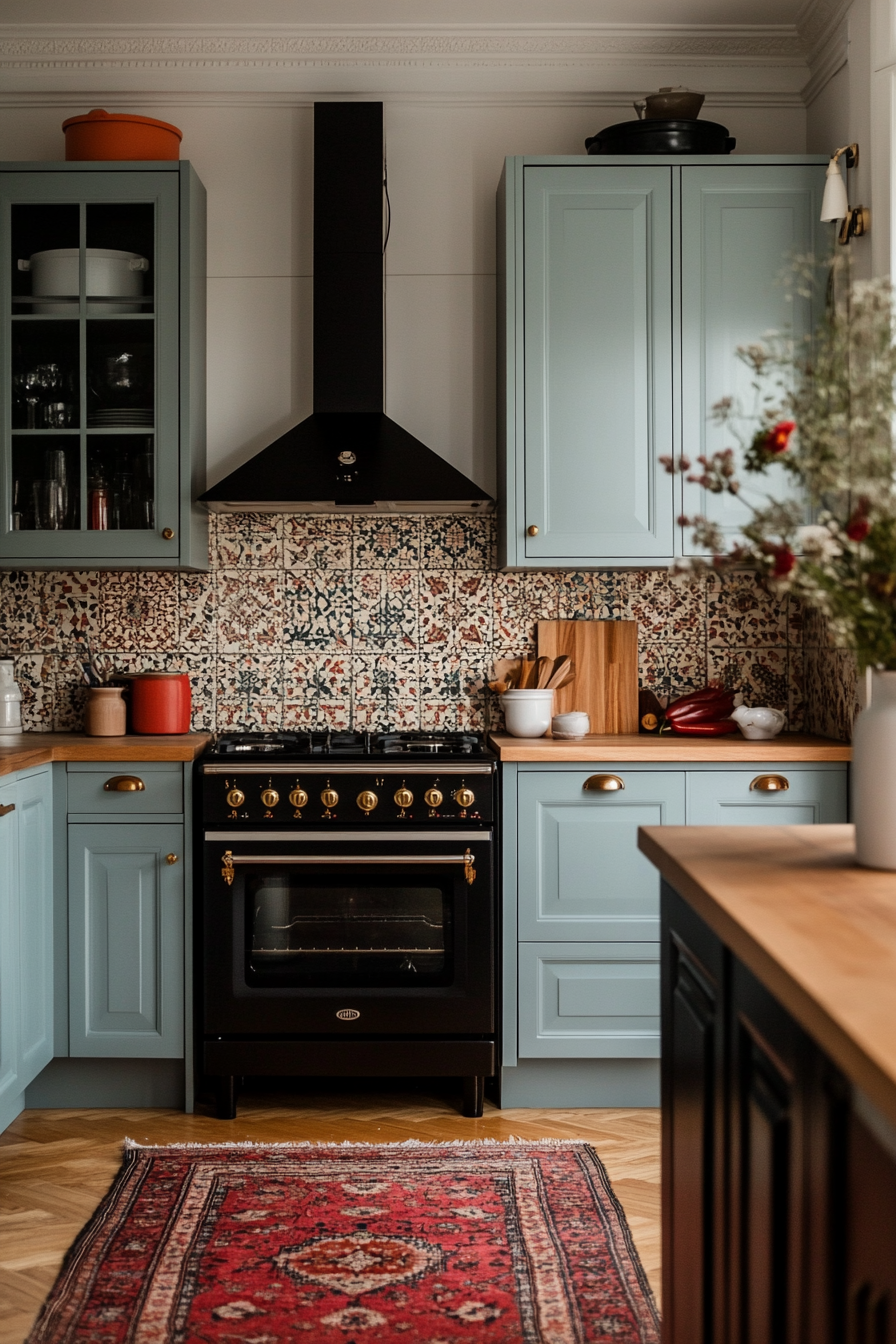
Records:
x=532, y=530
x=236, y=797
x=604, y=784
x=171, y=858
x=298, y=797
x=270, y=797
x=403, y=797
x=124, y=784
x=366, y=800
x=168, y=533
x=770, y=783
x=433, y=798
x=465, y=797
x=329, y=797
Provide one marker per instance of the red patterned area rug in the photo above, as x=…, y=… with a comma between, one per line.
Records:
x=509, y=1242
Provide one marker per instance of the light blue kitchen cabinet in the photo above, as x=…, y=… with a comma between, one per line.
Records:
x=126, y=940
x=624, y=286
x=774, y=796
x=589, y=1000
x=102, y=365
x=10, y=1086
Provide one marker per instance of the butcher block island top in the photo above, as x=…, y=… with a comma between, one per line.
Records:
x=728, y=750
x=29, y=749
x=818, y=931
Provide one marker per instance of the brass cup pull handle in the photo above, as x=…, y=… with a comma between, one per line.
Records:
x=604, y=784
x=124, y=784
x=171, y=858
x=6, y=808
x=770, y=784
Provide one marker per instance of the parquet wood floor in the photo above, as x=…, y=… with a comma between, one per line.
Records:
x=55, y=1166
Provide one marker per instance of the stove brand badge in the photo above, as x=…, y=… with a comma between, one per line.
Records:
x=348, y=1014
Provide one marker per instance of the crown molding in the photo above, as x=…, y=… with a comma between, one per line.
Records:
x=823, y=26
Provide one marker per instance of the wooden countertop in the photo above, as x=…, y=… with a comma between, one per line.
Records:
x=816, y=929
x=29, y=749
x=645, y=747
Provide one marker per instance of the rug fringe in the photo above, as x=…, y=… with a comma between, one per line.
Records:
x=510, y=1141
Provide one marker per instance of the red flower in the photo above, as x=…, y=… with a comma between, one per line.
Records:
x=784, y=561
x=858, y=527
x=778, y=437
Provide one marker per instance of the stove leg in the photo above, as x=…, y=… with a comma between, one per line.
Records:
x=225, y=1098
x=474, y=1096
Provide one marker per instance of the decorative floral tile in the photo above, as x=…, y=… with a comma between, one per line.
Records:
x=312, y=541
x=201, y=668
x=456, y=610
x=250, y=611
x=249, y=692
x=458, y=541
x=317, y=610
x=385, y=691
x=386, y=543
x=454, y=716
x=795, y=691
x=249, y=539
x=741, y=612
x=70, y=695
x=830, y=689
x=25, y=623
x=671, y=669
x=138, y=611
x=521, y=600
x=379, y=716
x=198, y=600
x=36, y=675
x=760, y=675
x=796, y=620
x=385, y=610
x=666, y=607
x=258, y=716
x=596, y=595
x=317, y=689
x=212, y=541
x=73, y=602
x=448, y=677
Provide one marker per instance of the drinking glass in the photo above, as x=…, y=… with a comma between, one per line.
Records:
x=49, y=514
x=56, y=469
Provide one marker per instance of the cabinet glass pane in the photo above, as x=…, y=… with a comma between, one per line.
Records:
x=46, y=483
x=120, y=239
x=45, y=375
x=120, y=482
x=36, y=229
x=120, y=375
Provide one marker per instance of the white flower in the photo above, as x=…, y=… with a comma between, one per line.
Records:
x=817, y=542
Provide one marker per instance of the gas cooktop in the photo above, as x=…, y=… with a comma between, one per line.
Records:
x=347, y=745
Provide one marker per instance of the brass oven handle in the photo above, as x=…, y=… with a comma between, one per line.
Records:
x=6, y=808
x=604, y=784
x=770, y=784
x=124, y=784
x=230, y=860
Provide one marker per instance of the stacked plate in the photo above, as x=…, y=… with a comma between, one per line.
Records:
x=117, y=417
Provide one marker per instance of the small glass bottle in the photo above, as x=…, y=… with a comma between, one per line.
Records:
x=98, y=505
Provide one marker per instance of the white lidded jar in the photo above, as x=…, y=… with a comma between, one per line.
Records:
x=10, y=699
x=873, y=779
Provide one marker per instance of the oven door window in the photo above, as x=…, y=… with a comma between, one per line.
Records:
x=314, y=927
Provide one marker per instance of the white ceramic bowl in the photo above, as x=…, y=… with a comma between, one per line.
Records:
x=527, y=713
x=570, y=727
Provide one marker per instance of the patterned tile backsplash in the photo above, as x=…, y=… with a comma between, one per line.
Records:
x=331, y=622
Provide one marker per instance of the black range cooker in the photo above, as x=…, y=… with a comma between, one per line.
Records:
x=347, y=912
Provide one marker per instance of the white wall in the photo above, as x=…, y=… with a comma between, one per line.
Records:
x=444, y=159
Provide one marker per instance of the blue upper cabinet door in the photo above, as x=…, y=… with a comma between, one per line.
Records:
x=34, y=804
x=741, y=225
x=10, y=1086
x=597, y=365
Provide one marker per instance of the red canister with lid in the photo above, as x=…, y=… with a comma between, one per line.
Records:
x=160, y=702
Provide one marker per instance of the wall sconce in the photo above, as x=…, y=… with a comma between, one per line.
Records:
x=835, y=203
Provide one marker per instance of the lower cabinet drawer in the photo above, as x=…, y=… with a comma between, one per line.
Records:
x=135, y=788
x=589, y=1000
x=745, y=798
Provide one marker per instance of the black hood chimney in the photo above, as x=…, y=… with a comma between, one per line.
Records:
x=348, y=455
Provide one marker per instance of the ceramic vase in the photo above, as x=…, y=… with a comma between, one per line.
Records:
x=874, y=776
x=106, y=713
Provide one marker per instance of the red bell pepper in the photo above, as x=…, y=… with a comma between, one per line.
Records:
x=712, y=705
x=705, y=727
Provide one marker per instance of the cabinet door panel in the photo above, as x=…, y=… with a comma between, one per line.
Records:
x=34, y=806
x=740, y=226
x=589, y=1000
x=598, y=361
x=724, y=798
x=581, y=874
x=126, y=941
x=10, y=1086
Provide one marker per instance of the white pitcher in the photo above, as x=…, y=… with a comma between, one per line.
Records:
x=10, y=699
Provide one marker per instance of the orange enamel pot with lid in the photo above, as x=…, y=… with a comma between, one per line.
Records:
x=160, y=702
x=120, y=135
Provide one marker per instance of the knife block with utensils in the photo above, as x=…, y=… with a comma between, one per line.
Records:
x=605, y=654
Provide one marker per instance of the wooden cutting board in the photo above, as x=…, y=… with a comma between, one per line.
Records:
x=606, y=682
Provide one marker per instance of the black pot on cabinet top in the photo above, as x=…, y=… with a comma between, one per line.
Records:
x=662, y=136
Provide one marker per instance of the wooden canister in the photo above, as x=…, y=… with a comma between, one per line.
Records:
x=106, y=715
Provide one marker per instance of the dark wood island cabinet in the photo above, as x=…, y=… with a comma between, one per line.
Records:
x=778, y=1088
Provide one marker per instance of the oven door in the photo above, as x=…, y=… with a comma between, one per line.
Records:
x=350, y=934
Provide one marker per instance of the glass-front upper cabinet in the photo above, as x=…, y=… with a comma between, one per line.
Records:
x=103, y=333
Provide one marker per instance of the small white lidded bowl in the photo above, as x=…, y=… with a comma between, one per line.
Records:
x=527, y=713
x=570, y=727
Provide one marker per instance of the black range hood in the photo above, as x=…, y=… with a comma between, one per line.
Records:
x=348, y=455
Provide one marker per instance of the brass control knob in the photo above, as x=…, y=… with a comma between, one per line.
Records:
x=433, y=798
x=403, y=797
x=465, y=797
x=366, y=800
x=298, y=798
x=270, y=797
x=236, y=798
x=329, y=797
